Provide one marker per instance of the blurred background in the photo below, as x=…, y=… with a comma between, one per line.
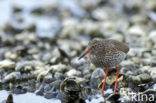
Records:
x=40, y=41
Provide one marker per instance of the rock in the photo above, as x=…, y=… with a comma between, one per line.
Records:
x=153, y=73
x=136, y=79
x=118, y=37
x=152, y=15
x=100, y=14
x=152, y=35
x=25, y=76
x=69, y=45
x=53, y=56
x=89, y=4
x=71, y=91
x=77, y=63
x=48, y=78
x=126, y=62
x=59, y=76
x=56, y=53
x=50, y=95
x=28, y=37
x=113, y=98
x=55, y=85
x=41, y=73
x=139, y=19
x=150, y=5
x=34, y=50
x=88, y=27
x=47, y=56
x=86, y=72
x=137, y=30
x=60, y=68
x=61, y=96
x=40, y=91
x=30, y=65
x=41, y=76
x=137, y=60
x=31, y=85
x=73, y=72
x=17, y=9
x=145, y=68
x=19, y=90
x=97, y=77
x=47, y=87
x=80, y=80
x=68, y=27
x=145, y=78
x=9, y=99
x=139, y=81
x=10, y=55
x=68, y=85
x=12, y=76
x=7, y=64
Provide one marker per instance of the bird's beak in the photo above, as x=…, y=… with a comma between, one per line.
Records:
x=85, y=53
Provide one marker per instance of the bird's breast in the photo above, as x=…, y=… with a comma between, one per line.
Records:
x=107, y=60
x=98, y=61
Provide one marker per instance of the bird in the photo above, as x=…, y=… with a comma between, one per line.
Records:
x=106, y=53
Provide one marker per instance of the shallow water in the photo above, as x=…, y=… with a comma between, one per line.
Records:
x=33, y=98
x=27, y=98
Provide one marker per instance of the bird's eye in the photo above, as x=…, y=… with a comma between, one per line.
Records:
x=94, y=46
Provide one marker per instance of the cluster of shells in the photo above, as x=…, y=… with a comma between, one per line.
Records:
x=44, y=59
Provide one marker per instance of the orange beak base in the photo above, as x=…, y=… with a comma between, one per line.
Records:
x=85, y=53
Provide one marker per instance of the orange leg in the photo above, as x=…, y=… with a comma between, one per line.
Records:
x=116, y=82
x=104, y=81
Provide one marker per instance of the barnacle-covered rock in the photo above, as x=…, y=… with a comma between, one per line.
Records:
x=71, y=91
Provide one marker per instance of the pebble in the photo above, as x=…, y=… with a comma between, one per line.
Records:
x=20, y=65
x=12, y=76
x=96, y=77
x=41, y=76
x=60, y=68
x=55, y=85
x=126, y=62
x=73, y=72
x=152, y=35
x=137, y=30
x=152, y=73
x=152, y=15
x=76, y=63
x=59, y=76
x=10, y=55
x=145, y=78
x=19, y=90
x=50, y=95
x=40, y=91
x=7, y=64
x=48, y=78
x=145, y=68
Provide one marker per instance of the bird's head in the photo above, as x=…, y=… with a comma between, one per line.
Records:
x=92, y=46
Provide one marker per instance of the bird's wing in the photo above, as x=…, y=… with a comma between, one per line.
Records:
x=119, y=46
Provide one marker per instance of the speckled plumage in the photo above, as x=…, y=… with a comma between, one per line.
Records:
x=107, y=52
